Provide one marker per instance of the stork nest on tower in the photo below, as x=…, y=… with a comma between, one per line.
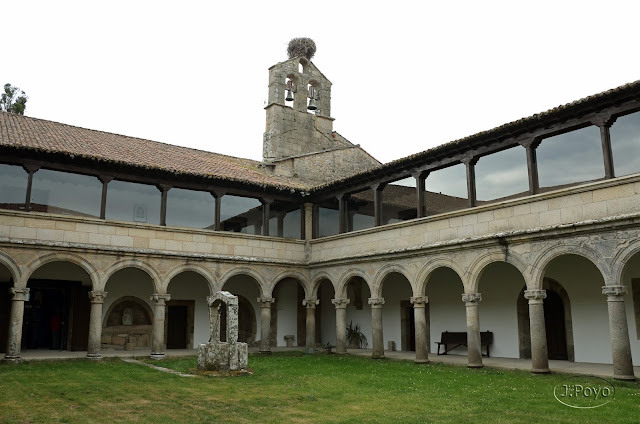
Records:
x=301, y=47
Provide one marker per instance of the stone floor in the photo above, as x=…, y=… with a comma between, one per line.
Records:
x=600, y=370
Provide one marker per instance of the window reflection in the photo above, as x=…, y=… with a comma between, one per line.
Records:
x=328, y=222
x=66, y=193
x=570, y=157
x=133, y=202
x=446, y=190
x=285, y=220
x=240, y=214
x=13, y=187
x=399, y=201
x=360, y=211
x=190, y=208
x=625, y=144
x=502, y=174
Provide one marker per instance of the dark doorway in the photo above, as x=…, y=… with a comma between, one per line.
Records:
x=5, y=311
x=408, y=326
x=177, y=327
x=555, y=326
x=56, y=315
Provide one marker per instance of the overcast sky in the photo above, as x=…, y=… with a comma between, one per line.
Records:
x=406, y=76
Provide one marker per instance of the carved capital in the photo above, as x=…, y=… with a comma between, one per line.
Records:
x=340, y=303
x=266, y=301
x=160, y=298
x=310, y=302
x=471, y=298
x=376, y=302
x=97, y=296
x=603, y=120
x=418, y=301
x=616, y=292
x=19, y=294
x=535, y=294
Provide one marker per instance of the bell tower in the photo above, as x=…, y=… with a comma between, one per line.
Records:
x=299, y=106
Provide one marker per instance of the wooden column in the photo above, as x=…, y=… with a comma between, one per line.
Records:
x=216, y=219
x=342, y=213
x=604, y=122
x=532, y=164
x=421, y=205
x=377, y=203
x=31, y=169
x=105, y=180
x=470, y=162
x=266, y=214
x=164, y=189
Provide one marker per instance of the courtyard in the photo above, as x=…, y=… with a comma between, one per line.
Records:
x=294, y=388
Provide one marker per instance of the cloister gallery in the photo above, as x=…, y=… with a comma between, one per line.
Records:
x=530, y=231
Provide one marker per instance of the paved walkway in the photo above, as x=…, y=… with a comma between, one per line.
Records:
x=600, y=370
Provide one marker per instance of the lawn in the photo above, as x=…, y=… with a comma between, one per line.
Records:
x=293, y=388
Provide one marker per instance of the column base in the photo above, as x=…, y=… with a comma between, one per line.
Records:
x=159, y=355
x=94, y=356
x=12, y=359
x=540, y=371
x=377, y=356
x=625, y=377
x=421, y=361
x=480, y=365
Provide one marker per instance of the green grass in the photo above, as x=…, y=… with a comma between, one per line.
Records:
x=293, y=388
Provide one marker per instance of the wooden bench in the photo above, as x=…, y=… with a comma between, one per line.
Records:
x=452, y=340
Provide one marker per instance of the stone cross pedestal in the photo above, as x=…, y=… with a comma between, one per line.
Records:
x=218, y=355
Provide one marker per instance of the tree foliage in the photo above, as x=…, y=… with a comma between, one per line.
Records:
x=13, y=100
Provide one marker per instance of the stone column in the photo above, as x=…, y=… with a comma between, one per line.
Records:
x=341, y=324
x=15, y=324
x=620, y=348
x=539, y=353
x=265, y=317
x=376, y=325
x=422, y=330
x=474, y=352
x=95, y=324
x=311, y=303
x=157, y=344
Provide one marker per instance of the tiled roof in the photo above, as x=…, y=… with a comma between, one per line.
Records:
x=23, y=132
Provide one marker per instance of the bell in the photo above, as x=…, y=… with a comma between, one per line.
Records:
x=289, y=97
x=312, y=104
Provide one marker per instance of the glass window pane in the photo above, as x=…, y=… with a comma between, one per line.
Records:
x=446, y=190
x=625, y=144
x=328, y=218
x=133, y=202
x=360, y=211
x=240, y=214
x=399, y=201
x=285, y=220
x=13, y=186
x=66, y=193
x=570, y=157
x=190, y=208
x=502, y=174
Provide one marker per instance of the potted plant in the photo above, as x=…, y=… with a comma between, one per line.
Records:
x=355, y=338
x=327, y=347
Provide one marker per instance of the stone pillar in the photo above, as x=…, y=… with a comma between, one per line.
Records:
x=539, y=353
x=95, y=324
x=620, y=347
x=311, y=303
x=341, y=324
x=157, y=344
x=376, y=325
x=474, y=352
x=422, y=330
x=265, y=317
x=15, y=324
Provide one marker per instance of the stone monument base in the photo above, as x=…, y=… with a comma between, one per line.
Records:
x=223, y=356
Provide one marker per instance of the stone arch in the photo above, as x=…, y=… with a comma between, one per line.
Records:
x=384, y=272
x=317, y=280
x=546, y=256
x=481, y=263
x=63, y=257
x=432, y=265
x=191, y=268
x=141, y=265
x=620, y=262
x=12, y=266
x=303, y=280
x=341, y=291
x=247, y=271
